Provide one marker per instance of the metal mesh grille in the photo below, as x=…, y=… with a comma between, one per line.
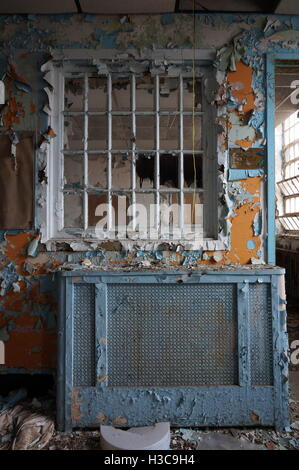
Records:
x=260, y=318
x=172, y=335
x=84, y=335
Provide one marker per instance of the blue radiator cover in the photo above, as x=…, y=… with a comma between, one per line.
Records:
x=206, y=347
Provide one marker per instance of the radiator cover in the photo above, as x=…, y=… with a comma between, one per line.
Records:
x=205, y=348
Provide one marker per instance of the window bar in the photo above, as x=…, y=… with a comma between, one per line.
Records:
x=181, y=159
x=133, y=165
x=157, y=160
x=288, y=225
x=292, y=196
x=291, y=160
x=283, y=145
x=291, y=186
x=109, y=163
x=284, y=223
x=288, y=188
x=288, y=218
x=293, y=224
x=295, y=184
x=85, y=149
x=61, y=129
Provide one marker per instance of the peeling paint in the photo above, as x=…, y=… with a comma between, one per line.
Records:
x=76, y=410
x=120, y=421
x=241, y=41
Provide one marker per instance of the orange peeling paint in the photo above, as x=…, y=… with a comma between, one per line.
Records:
x=243, y=77
x=30, y=349
x=13, y=74
x=252, y=185
x=244, y=143
x=16, y=249
x=32, y=108
x=242, y=225
x=14, y=111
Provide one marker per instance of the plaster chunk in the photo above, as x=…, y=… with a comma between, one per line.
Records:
x=155, y=437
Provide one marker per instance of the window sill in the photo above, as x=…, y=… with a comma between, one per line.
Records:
x=77, y=244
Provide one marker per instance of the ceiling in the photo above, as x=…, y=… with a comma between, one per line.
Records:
x=147, y=6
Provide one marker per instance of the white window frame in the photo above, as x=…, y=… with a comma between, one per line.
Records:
x=51, y=227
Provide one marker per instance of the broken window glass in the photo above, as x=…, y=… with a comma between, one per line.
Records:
x=97, y=170
x=169, y=171
x=169, y=215
x=121, y=94
x=97, y=133
x=169, y=133
x=96, y=205
x=192, y=95
x=193, y=171
x=97, y=94
x=73, y=94
x=73, y=133
x=73, y=170
x=192, y=132
x=193, y=209
x=145, y=170
x=145, y=132
x=73, y=210
x=145, y=207
x=145, y=93
x=102, y=141
x=121, y=171
x=169, y=93
x=121, y=133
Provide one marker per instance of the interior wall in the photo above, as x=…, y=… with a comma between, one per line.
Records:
x=28, y=310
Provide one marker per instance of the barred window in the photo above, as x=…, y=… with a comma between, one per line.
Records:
x=289, y=185
x=130, y=142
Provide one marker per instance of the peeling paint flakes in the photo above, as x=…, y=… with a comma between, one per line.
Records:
x=102, y=378
x=76, y=409
x=16, y=287
x=120, y=421
x=101, y=418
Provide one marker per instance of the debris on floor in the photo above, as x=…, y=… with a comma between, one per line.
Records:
x=189, y=435
x=24, y=426
x=156, y=437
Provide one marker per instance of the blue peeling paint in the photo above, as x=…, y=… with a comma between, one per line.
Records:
x=106, y=39
x=89, y=405
x=167, y=19
x=191, y=257
x=47, y=284
x=32, y=33
x=91, y=18
x=234, y=174
x=257, y=224
x=250, y=245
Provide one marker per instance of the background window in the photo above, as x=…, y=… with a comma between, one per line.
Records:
x=289, y=185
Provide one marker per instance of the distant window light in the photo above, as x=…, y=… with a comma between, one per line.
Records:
x=289, y=185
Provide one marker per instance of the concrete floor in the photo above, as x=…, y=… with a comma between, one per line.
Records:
x=214, y=440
